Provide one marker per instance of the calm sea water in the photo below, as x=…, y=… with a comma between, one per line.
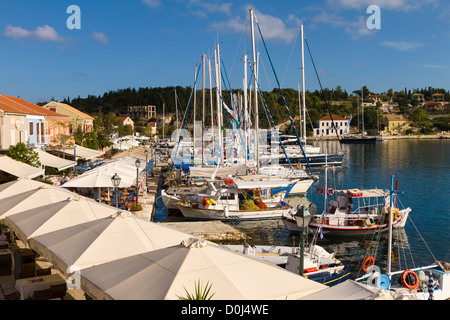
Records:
x=422, y=170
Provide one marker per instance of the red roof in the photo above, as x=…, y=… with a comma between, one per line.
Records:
x=18, y=105
x=335, y=118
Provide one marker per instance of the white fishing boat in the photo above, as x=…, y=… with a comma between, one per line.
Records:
x=352, y=211
x=319, y=265
x=239, y=200
x=305, y=180
x=431, y=282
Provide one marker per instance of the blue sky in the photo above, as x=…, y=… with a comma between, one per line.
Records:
x=152, y=43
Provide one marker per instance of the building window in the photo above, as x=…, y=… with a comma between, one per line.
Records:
x=31, y=129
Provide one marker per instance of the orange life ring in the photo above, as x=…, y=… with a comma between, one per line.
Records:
x=330, y=191
x=320, y=190
x=369, y=259
x=405, y=283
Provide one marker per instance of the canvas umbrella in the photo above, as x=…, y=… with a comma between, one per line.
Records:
x=54, y=216
x=100, y=179
x=18, y=186
x=167, y=272
x=43, y=195
x=103, y=240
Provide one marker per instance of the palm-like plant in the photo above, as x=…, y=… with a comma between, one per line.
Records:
x=200, y=292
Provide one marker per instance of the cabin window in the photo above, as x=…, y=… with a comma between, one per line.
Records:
x=227, y=196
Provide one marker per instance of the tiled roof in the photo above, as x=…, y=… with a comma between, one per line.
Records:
x=74, y=110
x=335, y=118
x=18, y=105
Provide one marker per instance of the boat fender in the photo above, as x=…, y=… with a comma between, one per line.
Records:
x=283, y=203
x=320, y=190
x=225, y=211
x=173, y=175
x=330, y=191
x=371, y=261
x=410, y=279
x=314, y=269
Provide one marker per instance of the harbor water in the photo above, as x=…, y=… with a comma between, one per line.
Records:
x=422, y=170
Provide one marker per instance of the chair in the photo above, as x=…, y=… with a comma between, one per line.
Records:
x=42, y=295
x=43, y=272
x=58, y=291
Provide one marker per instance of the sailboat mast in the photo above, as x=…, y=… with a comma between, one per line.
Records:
x=245, y=110
x=211, y=100
x=195, y=100
x=391, y=204
x=255, y=90
x=203, y=111
x=362, y=110
x=303, y=85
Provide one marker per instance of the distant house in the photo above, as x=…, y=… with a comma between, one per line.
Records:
x=324, y=126
x=419, y=97
x=153, y=126
x=433, y=105
x=41, y=126
x=438, y=97
x=77, y=118
x=374, y=97
x=125, y=121
x=396, y=123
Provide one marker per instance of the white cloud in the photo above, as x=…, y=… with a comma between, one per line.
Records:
x=45, y=33
x=402, y=45
x=152, y=3
x=356, y=28
x=272, y=28
x=434, y=66
x=99, y=37
x=404, y=5
x=212, y=7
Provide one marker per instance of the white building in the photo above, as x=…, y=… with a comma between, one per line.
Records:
x=324, y=126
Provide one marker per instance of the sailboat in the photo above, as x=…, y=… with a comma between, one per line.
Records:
x=360, y=139
x=311, y=154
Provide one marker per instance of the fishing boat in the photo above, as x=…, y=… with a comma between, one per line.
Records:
x=352, y=211
x=319, y=265
x=430, y=282
x=238, y=200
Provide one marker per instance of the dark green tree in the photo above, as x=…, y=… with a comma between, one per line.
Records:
x=21, y=153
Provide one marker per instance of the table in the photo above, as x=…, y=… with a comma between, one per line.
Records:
x=26, y=287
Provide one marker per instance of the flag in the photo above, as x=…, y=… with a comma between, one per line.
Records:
x=320, y=232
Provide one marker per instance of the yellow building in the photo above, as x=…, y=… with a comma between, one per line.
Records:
x=77, y=118
x=396, y=124
x=125, y=121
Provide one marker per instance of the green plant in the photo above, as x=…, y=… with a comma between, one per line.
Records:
x=136, y=207
x=200, y=292
x=21, y=153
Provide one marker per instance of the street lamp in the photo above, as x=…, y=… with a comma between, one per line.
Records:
x=146, y=169
x=302, y=218
x=116, y=182
x=137, y=164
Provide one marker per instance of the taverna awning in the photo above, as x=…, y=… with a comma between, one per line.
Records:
x=50, y=160
x=19, y=169
x=80, y=152
x=165, y=274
